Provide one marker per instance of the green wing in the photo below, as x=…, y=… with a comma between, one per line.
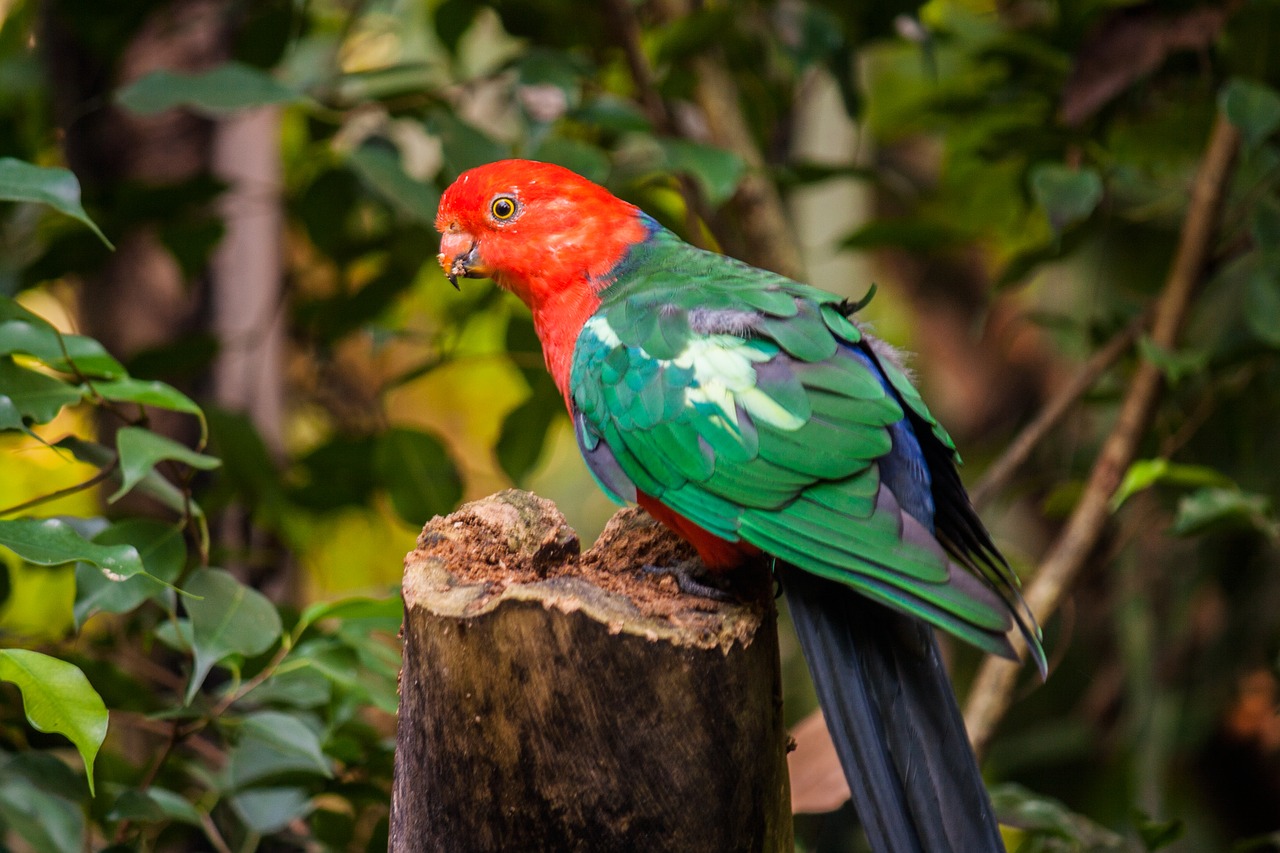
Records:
x=748, y=404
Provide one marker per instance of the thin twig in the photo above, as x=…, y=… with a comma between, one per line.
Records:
x=993, y=689
x=999, y=474
x=97, y=478
x=245, y=688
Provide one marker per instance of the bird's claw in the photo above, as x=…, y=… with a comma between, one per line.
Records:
x=692, y=579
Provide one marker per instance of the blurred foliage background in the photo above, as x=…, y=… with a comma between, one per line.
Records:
x=262, y=385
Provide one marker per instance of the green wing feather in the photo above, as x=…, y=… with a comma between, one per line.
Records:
x=735, y=397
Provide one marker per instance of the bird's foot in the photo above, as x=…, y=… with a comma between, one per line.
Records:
x=692, y=578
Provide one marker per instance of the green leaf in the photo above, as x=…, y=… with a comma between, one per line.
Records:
x=46, y=821
x=716, y=171
x=36, y=397
x=174, y=806
x=1264, y=227
x=1253, y=108
x=227, y=618
x=45, y=343
x=303, y=687
x=1067, y=195
x=1156, y=834
x=1219, y=509
x=1145, y=473
x=58, y=698
x=1046, y=818
x=389, y=609
x=10, y=417
x=1262, y=306
x=418, y=473
x=912, y=233
x=52, y=542
x=464, y=146
x=227, y=88
x=266, y=810
x=58, y=188
x=273, y=743
x=147, y=393
x=141, y=450
x=152, y=485
x=152, y=393
x=163, y=552
x=524, y=430
x=1174, y=365
x=378, y=165
x=587, y=160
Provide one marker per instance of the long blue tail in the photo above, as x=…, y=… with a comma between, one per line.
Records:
x=894, y=720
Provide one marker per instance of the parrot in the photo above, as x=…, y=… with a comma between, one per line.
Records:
x=755, y=417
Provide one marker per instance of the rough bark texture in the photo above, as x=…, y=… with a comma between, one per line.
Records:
x=557, y=702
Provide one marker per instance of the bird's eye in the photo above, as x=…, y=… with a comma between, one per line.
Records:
x=503, y=208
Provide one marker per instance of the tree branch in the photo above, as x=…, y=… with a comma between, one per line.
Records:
x=993, y=689
x=999, y=474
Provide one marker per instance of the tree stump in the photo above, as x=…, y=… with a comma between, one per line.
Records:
x=556, y=701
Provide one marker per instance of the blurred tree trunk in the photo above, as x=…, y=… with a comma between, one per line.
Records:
x=141, y=299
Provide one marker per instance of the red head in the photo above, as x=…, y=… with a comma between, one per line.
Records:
x=546, y=234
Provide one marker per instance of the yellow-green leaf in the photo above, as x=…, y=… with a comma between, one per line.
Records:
x=58, y=698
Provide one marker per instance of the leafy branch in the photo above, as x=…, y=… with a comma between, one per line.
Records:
x=993, y=688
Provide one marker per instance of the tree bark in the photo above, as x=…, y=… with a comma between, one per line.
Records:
x=551, y=701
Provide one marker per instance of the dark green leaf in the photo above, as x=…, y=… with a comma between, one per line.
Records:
x=1264, y=227
x=1220, y=509
x=389, y=610
x=227, y=88
x=338, y=473
x=611, y=113
x=52, y=542
x=1067, y=195
x=246, y=460
x=524, y=430
x=58, y=188
x=140, y=450
x=464, y=145
x=273, y=743
x=270, y=809
x=152, y=485
x=1044, y=817
x=1145, y=473
x=58, y=698
x=1156, y=834
x=378, y=164
x=10, y=417
x=1174, y=365
x=163, y=552
x=36, y=397
x=1252, y=107
x=914, y=234
x=227, y=618
x=42, y=341
x=716, y=171
x=587, y=160
x=416, y=470
x=453, y=17
x=1262, y=306
x=47, y=822
x=147, y=393
x=302, y=687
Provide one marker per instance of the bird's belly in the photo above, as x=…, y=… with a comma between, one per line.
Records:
x=718, y=554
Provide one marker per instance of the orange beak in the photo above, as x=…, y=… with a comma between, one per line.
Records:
x=460, y=257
